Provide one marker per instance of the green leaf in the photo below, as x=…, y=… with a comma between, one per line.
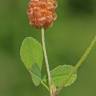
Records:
x=36, y=74
x=32, y=56
x=63, y=75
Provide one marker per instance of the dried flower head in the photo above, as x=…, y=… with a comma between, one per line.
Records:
x=41, y=13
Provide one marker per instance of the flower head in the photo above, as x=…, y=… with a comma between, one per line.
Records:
x=41, y=13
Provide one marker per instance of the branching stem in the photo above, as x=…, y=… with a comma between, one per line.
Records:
x=81, y=60
x=86, y=53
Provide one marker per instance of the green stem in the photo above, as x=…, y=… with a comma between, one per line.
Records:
x=80, y=62
x=46, y=59
x=42, y=82
x=44, y=85
x=86, y=53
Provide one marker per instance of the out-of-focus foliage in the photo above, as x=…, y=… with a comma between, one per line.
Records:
x=66, y=42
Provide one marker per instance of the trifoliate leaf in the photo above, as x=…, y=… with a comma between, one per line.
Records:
x=63, y=75
x=31, y=53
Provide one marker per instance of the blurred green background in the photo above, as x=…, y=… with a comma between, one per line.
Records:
x=66, y=42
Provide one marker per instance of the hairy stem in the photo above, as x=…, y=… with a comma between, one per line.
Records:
x=46, y=59
x=86, y=53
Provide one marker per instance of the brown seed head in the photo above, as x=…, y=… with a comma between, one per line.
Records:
x=41, y=13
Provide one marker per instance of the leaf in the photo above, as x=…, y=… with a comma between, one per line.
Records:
x=63, y=75
x=32, y=56
x=36, y=74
